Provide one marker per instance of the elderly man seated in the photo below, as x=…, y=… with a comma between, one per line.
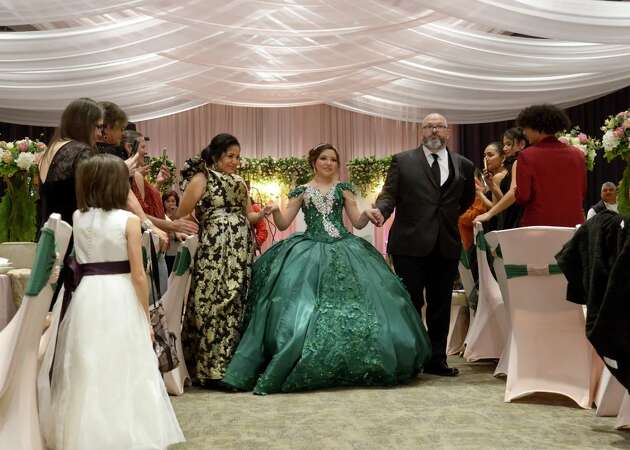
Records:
x=608, y=201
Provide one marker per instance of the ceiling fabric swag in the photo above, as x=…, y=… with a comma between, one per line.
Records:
x=395, y=59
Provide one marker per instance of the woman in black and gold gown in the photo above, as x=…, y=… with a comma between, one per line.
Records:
x=215, y=311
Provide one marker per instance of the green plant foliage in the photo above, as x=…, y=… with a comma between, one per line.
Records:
x=18, y=213
x=367, y=174
x=623, y=202
x=18, y=167
x=155, y=165
x=289, y=172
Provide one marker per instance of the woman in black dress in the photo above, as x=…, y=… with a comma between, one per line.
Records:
x=75, y=139
x=514, y=141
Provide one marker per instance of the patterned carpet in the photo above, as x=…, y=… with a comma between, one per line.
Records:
x=466, y=412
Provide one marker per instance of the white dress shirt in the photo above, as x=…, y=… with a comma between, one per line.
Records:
x=609, y=206
x=442, y=162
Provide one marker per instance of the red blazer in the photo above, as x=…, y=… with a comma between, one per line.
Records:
x=551, y=184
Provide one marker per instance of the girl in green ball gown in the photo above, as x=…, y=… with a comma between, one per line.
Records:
x=325, y=309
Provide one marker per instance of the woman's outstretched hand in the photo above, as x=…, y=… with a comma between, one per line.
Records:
x=375, y=216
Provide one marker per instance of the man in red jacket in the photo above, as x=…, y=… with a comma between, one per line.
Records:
x=549, y=177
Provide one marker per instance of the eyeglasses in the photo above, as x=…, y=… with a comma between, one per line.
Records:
x=437, y=127
x=100, y=126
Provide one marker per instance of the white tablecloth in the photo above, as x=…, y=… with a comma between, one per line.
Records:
x=7, y=305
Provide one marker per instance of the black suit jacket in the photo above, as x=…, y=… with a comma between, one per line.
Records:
x=595, y=262
x=426, y=214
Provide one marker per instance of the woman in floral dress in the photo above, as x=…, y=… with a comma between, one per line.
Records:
x=215, y=312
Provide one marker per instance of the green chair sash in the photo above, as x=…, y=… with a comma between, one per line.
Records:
x=183, y=261
x=45, y=257
x=523, y=270
x=481, y=242
x=464, y=259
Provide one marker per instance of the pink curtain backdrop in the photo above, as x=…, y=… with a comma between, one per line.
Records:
x=283, y=132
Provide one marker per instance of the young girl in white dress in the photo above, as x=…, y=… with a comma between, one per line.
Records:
x=107, y=391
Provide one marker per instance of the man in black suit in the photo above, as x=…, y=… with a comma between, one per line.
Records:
x=429, y=187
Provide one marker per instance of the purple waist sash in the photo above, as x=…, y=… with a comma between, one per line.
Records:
x=75, y=272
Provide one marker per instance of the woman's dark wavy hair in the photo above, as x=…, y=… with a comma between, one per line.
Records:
x=545, y=118
x=217, y=147
x=314, y=153
x=516, y=134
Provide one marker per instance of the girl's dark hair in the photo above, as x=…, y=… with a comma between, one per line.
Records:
x=314, y=153
x=78, y=121
x=217, y=147
x=170, y=194
x=545, y=118
x=102, y=181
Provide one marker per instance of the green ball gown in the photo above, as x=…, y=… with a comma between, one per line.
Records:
x=325, y=311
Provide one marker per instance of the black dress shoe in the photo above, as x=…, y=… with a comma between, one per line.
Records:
x=441, y=369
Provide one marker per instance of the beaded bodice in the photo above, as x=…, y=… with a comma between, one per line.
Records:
x=323, y=212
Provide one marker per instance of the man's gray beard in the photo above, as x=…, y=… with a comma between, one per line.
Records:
x=433, y=144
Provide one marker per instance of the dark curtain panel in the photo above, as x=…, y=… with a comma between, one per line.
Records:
x=589, y=116
x=12, y=132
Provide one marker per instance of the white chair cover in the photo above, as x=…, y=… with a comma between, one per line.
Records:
x=173, y=302
x=466, y=276
x=623, y=418
x=19, y=348
x=487, y=332
x=499, y=271
x=609, y=395
x=548, y=350
x=458, y=328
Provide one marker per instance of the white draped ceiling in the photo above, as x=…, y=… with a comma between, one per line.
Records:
x=392, y=58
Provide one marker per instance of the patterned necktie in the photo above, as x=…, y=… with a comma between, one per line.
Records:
x=435, y=169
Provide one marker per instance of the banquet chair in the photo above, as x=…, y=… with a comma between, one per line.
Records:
x=501, y=277
x=487, y=331
x=549, y=351
x=461, y=314
x=609, y=395
x=173, y=302
x=623, y=418
x=19, y=344
x=458, y=327
x=20, y=256
x=465, y=273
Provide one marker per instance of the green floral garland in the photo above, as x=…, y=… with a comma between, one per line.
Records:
x=289, y=172
x=18, y=167
x=155, y=165
x=367, y=174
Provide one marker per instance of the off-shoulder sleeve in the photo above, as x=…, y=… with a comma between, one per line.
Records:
x=345, y=186
x=192, y=167
x=297, y=191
